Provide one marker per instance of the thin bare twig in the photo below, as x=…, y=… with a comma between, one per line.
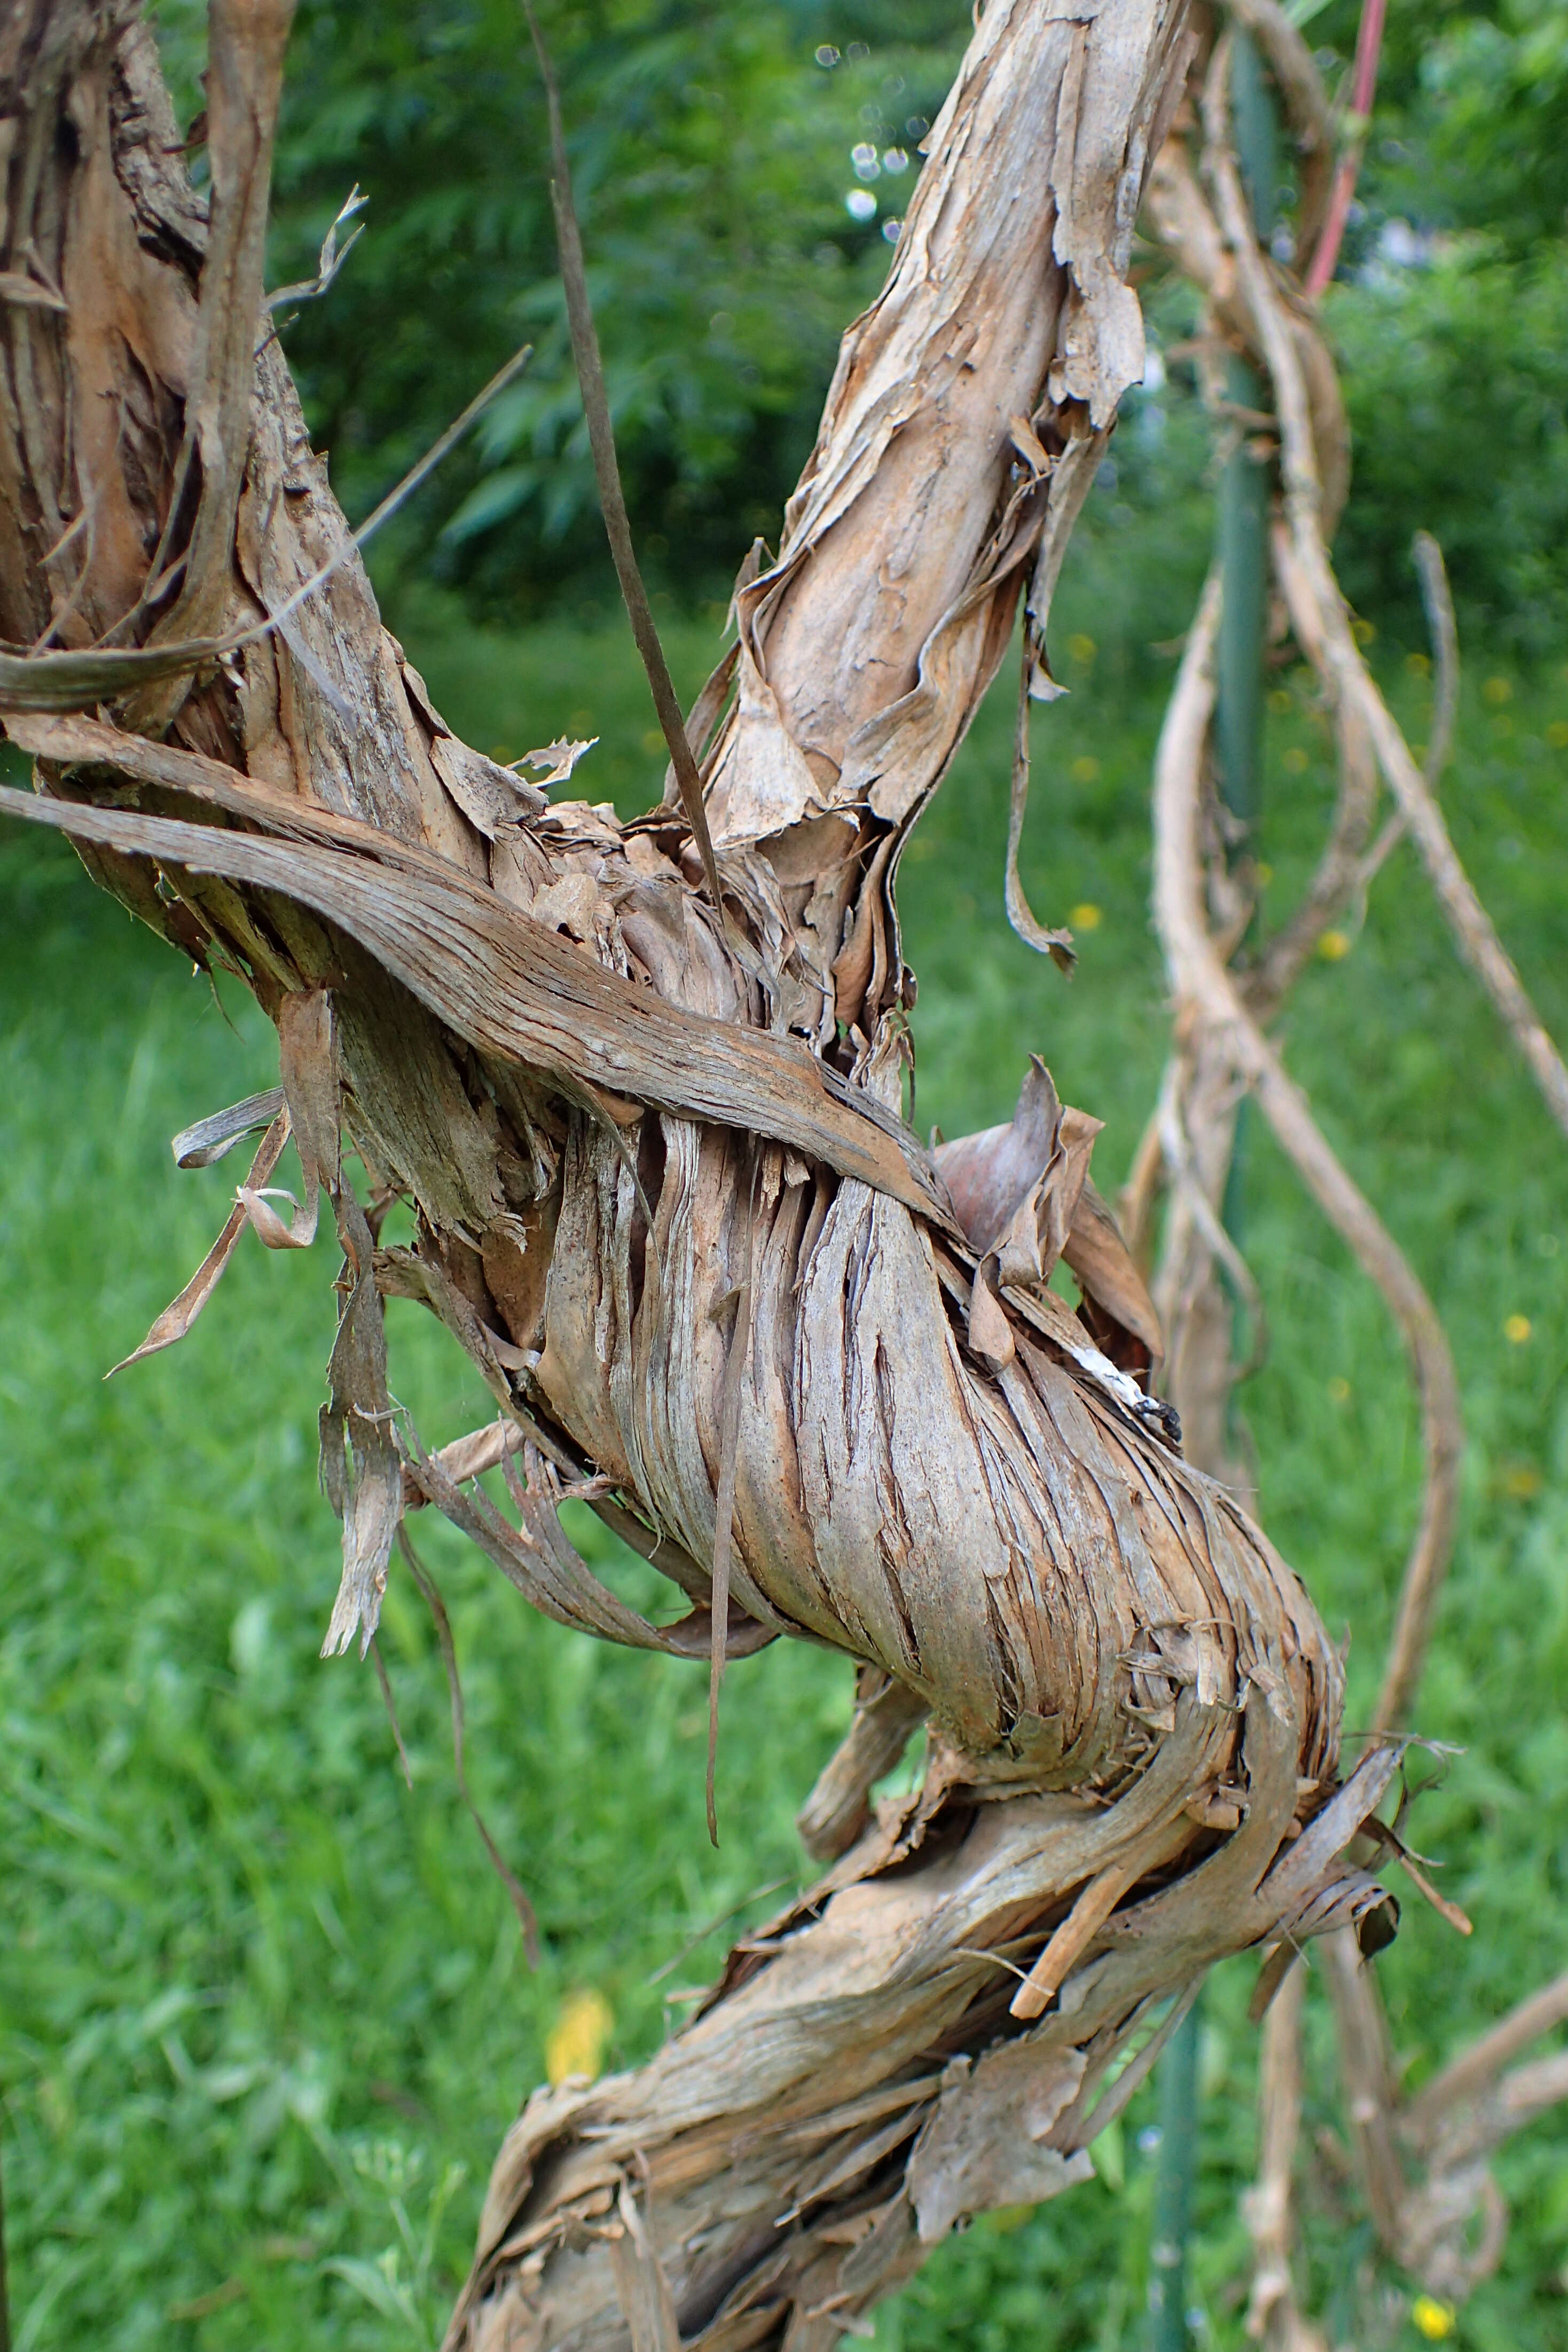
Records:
x=1439, y=602
x=1474, y=2070
x=1340, y=868
x=1272, y=2319
x=1347, y=672
x=385, y=1680
x=1369, y=39
x=606, y=469
x=73, y=681
x=1439, y=605
x=701, y=1935
x=438, y=1608
x=1178, y=1160
x=1300, y=85
x=1367, y=2077
x=1203, y=984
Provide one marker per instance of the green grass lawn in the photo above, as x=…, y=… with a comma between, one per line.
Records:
x=264, y=2014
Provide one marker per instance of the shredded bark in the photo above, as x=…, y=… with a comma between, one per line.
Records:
x=664, y=1195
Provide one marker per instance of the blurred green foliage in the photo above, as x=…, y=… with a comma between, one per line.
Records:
x=710, y=155
x=1456, y=380
x=713, y=158
x=1451, y=316
x=1471, y=124
x=263, y=2015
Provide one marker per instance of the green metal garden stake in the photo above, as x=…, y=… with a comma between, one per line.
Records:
x=1246, y=487
x=1173, y=2186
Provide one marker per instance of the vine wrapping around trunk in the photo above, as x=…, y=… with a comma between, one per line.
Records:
x=529, y=1024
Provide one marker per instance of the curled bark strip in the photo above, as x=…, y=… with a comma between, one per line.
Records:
x=177, y=1318
x=548, y=1569
x=466, y=1457
x=214, y=1137
x=361, y=1470
x=1057, y=944
x=724, y=1499
x=514, y=990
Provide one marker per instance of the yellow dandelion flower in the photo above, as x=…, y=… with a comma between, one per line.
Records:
x=1084, y=770
x=575, y=2042
x=1516, y=1329
x=1498, y=689
x=1434, y=2319
x=1333, y=945
x=1364, y=632
x=1083, y=648
x=1086, y=917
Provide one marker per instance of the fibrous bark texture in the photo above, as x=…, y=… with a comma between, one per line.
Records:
x=665, y=1197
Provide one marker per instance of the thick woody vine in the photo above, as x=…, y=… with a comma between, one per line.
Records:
x=641, y=1086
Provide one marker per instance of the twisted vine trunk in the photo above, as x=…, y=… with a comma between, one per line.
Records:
x=665, y=1197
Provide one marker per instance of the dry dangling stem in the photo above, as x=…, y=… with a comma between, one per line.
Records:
x=1272, y=2318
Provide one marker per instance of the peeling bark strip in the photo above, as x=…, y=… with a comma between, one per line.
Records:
x=611, y=1125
